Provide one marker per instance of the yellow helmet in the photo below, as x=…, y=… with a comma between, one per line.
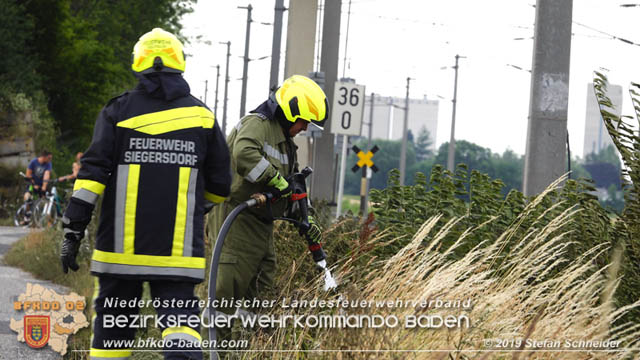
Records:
x=158, y=50
x=301, y=98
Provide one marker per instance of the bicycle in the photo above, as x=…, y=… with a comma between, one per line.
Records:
x=25, y=215
x=48, y=208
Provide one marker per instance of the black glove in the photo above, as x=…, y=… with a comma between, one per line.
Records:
x=73, y=234
x=279, y=187
x=313, y=233
x=314, y=238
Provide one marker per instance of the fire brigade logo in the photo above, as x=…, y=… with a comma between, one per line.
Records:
x=47, y=318
x=36, y=330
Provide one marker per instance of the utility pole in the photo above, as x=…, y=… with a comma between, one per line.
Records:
x=215, y=106
x=546, y=132
x=452, y=141
x=275, y=46
x=405, y=126
x=245, y=67
x=346, y=41
x=206, y=89
x=299, y=55
x=364, y=199
x=329, y=65
x=226, y=87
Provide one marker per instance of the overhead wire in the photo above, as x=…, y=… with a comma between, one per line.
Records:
x=626, y=41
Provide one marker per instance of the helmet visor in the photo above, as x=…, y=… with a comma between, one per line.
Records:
x=320, y=123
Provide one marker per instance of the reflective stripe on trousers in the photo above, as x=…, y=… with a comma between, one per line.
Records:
x=181, y=333
x=196, y=271
x=100, y=354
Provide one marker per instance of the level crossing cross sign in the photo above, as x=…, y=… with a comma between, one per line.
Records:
x=364, y=159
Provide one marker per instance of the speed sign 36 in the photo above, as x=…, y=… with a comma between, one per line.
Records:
x=347, y=110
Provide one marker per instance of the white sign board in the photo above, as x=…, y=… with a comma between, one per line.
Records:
x=347, y=109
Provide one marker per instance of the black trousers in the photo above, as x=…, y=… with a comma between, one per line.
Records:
x=116, y=319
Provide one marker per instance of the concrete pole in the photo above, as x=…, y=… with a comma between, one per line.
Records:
x=299, y=56
x=275, y=46
x=546, y=133
x=215, y=105
x=245, y=67
x=301, y=32
x=452, y=140
x=329, y=65
x=405, y=126
x=226, y=88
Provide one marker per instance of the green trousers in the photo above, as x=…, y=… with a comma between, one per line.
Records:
x=248, y=260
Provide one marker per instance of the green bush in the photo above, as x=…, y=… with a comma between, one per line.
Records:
x=401, y=211
x=627, y=227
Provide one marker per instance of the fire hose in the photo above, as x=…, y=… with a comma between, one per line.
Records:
x=299, y=196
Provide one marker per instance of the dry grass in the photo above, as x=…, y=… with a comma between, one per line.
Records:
x=33, y=240
x=530, y=292
x=521, y=284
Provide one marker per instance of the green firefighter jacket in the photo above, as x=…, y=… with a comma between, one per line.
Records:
x=259, y=149
x=157, y=161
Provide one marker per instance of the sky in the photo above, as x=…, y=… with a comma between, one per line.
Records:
x=389, y=41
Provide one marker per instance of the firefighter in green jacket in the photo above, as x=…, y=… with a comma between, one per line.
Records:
x=160, y=160
x=263, y=155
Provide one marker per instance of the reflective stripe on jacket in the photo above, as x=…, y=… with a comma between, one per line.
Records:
x=157, y=162
x=259, y=150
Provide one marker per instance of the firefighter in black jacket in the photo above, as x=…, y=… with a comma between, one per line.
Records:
x=161, y=161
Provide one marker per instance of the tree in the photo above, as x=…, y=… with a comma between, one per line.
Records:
x=507, y=167
x=577, y=169
x=607, y=155
x=82, y=51
x=474, y=156
x=604, y=174
x=410, y=136
x=604, y=169
x=423, y=144
x=385, y=159
x=17, y=64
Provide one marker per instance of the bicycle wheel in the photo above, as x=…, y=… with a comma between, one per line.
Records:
x=39, y=216
x=21, y=218
x=51, y=218
x=42, y=214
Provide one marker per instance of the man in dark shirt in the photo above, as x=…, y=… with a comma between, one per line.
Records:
x=39, y=172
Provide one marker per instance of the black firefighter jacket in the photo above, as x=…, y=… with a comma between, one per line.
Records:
x=158, y=156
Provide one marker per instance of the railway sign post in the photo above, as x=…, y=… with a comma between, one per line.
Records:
x=364, y=162
x=346, y=119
